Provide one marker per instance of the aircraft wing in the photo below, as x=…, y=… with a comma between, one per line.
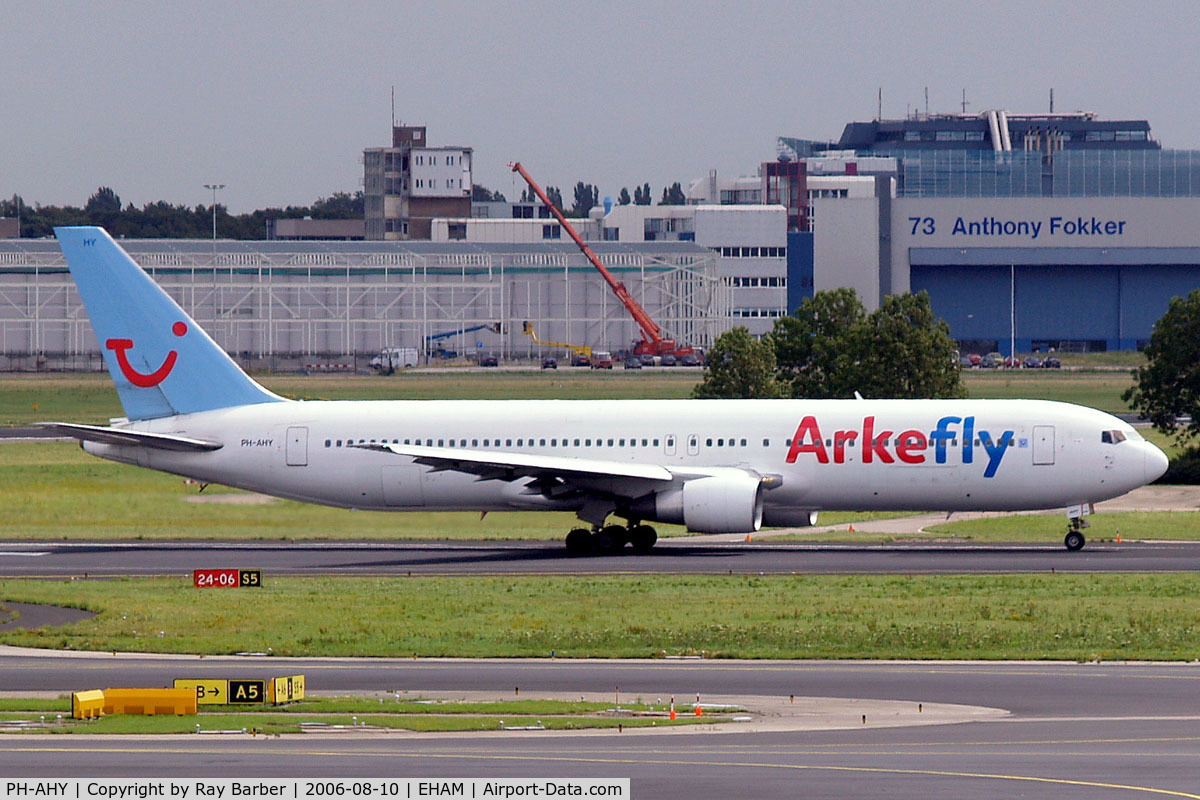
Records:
x=507, y=466
x=120, y=436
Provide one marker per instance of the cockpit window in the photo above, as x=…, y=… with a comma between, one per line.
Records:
x=1112, y=437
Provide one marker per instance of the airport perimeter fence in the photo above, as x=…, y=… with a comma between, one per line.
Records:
x=357, y=363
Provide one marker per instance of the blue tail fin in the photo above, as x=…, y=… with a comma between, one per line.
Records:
x=160, y=359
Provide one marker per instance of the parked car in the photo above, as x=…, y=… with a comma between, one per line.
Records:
x=992, y=360
x=974, y=359
x=646, y=359
x=1012, y=362
x=689, y=360
x=602, y=359
x=633, y=362
x=1052, y=363
x=489, y=360
x=549, y=363
x=580, y=360
x=668, y=360
x=1032, y=362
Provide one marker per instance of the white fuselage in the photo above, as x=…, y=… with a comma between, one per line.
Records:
x=940, y=455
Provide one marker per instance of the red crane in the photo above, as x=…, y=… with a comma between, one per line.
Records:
x=653, y=342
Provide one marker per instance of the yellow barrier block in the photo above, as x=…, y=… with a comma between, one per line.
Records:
x=87, y=705
x=150, y=701
x=286, y=689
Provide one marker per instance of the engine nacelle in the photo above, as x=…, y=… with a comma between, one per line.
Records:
x=720, y=504
x=786, y=517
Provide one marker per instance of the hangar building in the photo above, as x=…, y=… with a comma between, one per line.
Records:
x=284, y=305
x=1039, y=231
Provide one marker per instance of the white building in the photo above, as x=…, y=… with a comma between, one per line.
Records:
x=410, y=183
x=750, y=240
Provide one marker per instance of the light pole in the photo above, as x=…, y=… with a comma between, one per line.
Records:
x=214, y=187
x=1012, y=311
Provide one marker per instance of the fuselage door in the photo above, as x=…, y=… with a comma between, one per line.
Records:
x=402, y=486
x=669, y=444
x=297, y=447
x=693, y=444
x=1043, y=444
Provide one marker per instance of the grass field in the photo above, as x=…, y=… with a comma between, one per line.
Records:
x=54, y=490
x=1131, y=525
x=1076, y=617
x=355, y=711
x=1100, y=390
x=1046, y=528
x=90, y=398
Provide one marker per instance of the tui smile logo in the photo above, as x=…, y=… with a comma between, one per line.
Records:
x=121, y=347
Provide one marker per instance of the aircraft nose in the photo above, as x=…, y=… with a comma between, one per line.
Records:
x=1156, y=462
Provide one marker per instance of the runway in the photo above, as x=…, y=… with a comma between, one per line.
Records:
x=1087, y=731
x=59, y=559
x=1053, y=730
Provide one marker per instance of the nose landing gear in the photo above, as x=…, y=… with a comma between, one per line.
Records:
x=1074, y=539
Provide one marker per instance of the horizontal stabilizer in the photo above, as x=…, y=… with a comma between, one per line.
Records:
x=120, y=436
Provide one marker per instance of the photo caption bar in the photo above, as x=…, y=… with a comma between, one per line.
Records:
x=303, y=789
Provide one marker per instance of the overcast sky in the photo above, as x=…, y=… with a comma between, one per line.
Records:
x=278, y=100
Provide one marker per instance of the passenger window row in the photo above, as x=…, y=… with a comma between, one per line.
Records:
x=1109, y=437
x=908, y=443
x=506, y=442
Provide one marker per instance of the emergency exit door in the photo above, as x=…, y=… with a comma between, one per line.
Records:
x=1043, y=444
x=297, y=447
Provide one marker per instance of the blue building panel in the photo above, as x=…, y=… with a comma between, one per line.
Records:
x=799, y=269
x=1145, y=294
x=1116, y=305
x=1068, y=302
x=973, y=300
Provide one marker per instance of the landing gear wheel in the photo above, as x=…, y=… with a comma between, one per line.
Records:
x=1074, y=540
x=609, y=539
x=642, y=537
x=579, y=542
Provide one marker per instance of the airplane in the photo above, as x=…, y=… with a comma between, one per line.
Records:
x=714, y=466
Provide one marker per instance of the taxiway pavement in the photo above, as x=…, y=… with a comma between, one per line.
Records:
x=682, y=556
x=1045, y=730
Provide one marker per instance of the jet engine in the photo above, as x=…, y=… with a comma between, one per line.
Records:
x=787, y=517
x=730, y=503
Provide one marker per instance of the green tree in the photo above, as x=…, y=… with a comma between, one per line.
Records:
x=555, y=197
x=738, y=365
x=810, y=345
x=673, y=196
x=641, y=195
x=832, y=348
x=1168, y=386
x=482, y=194
x=903, y=350
x=587, y=197
x=623, y=199
x=104, y=202
x=339, y=205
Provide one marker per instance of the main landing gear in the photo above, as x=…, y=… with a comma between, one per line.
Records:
x=1074, y=539
x=611, y=539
